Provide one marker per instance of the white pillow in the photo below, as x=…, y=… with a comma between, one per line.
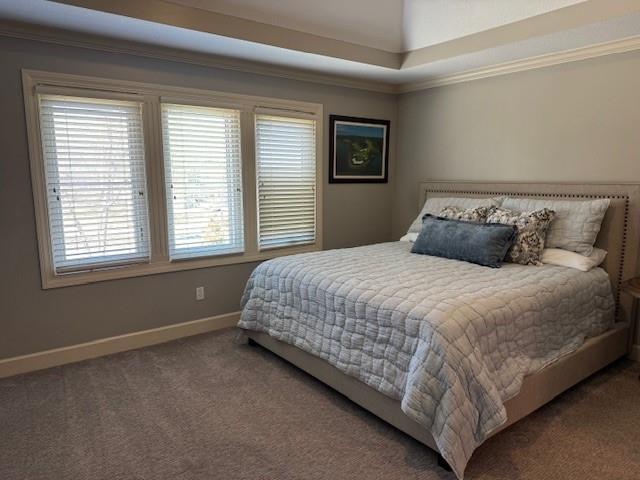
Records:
x=409, y=237
x=575, y=225
x=565, y=258
x=435, y=205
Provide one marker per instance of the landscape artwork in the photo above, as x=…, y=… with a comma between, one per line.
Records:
x=359, y=150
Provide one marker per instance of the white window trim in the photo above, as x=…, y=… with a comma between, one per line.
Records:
x=152, y=95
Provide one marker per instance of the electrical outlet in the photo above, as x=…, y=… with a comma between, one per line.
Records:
x=199, y=293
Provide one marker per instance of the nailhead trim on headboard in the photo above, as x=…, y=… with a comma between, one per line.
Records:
x=565, y=195
x=623, y=250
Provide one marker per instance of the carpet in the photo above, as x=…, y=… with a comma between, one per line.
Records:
x=206, y=407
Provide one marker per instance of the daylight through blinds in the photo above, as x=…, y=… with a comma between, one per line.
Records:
x=95, y=177
x=286, y=176
x=203, y=180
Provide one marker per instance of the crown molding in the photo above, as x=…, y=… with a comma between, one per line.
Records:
x=547, y=60
x=94, y=42
x=57, y=36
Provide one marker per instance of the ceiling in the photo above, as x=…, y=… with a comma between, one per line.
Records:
x=429, y=22
x=392, y=25
x=394, y=43
x=372, y=23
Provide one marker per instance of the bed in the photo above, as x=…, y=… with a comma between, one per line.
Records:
x=450, y=352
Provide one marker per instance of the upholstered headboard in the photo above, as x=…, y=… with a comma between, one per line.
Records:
x=620, y=233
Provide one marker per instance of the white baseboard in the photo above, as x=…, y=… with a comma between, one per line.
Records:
x=635, y=353
x=107, y=346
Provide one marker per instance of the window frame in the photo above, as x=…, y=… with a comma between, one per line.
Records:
x=152, y=96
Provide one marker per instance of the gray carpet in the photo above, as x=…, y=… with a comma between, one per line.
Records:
x=207, y=408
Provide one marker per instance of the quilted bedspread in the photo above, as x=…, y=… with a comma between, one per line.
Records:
x=451, y=340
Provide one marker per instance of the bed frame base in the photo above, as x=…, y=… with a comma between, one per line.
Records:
x=537, y=389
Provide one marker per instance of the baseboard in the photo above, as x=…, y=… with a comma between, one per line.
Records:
x=635, y=353
x=106, y=346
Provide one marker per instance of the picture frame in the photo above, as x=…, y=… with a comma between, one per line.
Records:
x=358, y=150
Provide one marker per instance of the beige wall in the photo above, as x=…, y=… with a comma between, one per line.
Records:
x=574, y=122
x=32, y=320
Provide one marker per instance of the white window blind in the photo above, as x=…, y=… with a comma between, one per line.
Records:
x=95, y=176
x=286, y=177
x=204, y=180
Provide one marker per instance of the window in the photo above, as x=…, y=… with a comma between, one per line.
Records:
x=134, y=179
x=95, y=175
x=203, y=180
x=286, y=174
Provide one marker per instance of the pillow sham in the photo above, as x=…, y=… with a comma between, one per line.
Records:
x=576, y=223
x=598, y=255
x=477, y=214
x=409, y=237
x=565, y=258
x=481, y=243
x=531, y=232
x=434, y=206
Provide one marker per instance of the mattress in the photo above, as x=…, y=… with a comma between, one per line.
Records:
x=450, y=340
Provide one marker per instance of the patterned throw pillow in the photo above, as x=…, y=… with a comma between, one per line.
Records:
x=477, y=214
x=532, y=230
x=433, y=205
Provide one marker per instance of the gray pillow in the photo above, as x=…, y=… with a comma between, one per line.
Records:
x=576, y=222
x=434, y=206
x=532, y=230
x=481, y=243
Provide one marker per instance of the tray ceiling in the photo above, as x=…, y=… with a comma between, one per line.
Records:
x=371, y=23
x=392, y=25
x=396, y=43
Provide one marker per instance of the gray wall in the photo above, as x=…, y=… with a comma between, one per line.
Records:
x=573, y=122
x=32, y=320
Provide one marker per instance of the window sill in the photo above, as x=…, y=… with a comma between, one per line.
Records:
x=166, y=266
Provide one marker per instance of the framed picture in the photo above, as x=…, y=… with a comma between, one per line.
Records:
x=358, y=150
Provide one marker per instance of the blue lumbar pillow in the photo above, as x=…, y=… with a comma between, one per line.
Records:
x=482, y=243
